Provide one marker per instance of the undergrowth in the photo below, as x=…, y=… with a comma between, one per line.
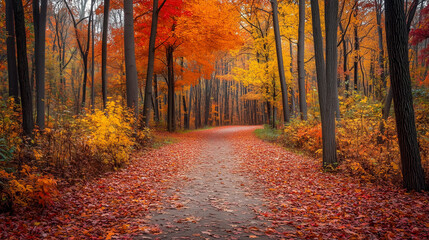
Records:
x=363, y=150
x=74, y=150
x=268, y=133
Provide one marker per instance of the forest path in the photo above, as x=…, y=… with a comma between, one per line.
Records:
x=214, y=199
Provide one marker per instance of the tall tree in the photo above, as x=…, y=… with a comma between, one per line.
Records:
x=326, y=105
x=151, y=61
x=23, y=75
x=104, y=52
x=130, y=58
x=397, y=47
x=83, y=47
x=280, y=60
x=301, y=68
x=39, y=22
x=11, y=51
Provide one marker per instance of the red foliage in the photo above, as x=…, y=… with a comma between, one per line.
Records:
x=420, y=34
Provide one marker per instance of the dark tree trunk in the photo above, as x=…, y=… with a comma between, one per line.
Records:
x=326, y=106
x=171, y=123
x=207, y=102
x=301, y=67
x=155, y=88
x=345, y=63
x=356, y=48
x=397, y=46
x=11, y=51
x=93, y=65
x=150, y=65
x=39, y=22
x=280, y=61
x=185, y=113
x=104, y=52
x=332, y=109
x=23, y=76
x=130, y=58
x=190, y=107
x=380, y=51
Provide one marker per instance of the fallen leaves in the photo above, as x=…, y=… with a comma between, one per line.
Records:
x=326, y=205
x=110, y=207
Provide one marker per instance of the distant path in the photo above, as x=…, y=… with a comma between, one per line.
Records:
x=213, y=199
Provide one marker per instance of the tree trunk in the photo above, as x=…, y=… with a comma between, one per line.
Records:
x=397, y=46
x=185, y=113
x=380, y=53
x=92, y=65
x=207, y=102
x=23, y=76
x=280, y=61
x=331, y=25
x=104, y=52
x=156, y=105
x=301, y=67
x=130, y=58
x=39, y=21
x=356, y=48
x=171, y=123
x=11, y=51
x=326, y=107
x=150, y=65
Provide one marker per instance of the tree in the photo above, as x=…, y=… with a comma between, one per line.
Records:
x=104, y=52
x=39, y=22
x=23, y=75
x=280, y=61
x=130, y=58
x=83, y=46
x=151, y=61
x=301, y=68
x=397, y=47
x=323, y=82
x=11, y=56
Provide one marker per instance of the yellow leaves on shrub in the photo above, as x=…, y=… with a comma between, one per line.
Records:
x=109, y=133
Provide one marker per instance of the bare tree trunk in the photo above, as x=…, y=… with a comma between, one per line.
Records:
x=11, y=51
x=380, y=52
x=397, y=46
x=23, y=76
x=92, y=65
x=332, y=110
x=104, y=52
x=150, y=65
x=207, y=102
x=356, y=48
x=280, y=61
x=301, y=67
x=39, y=21
x=171, y=123
x=155, y=87
x=326, y=106
x=130, y=58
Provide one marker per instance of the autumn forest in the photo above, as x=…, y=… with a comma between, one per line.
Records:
x=214, y=119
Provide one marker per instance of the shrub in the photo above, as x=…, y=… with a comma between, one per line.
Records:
x=360, y=152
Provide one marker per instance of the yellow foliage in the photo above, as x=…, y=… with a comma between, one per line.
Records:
x=109, y=133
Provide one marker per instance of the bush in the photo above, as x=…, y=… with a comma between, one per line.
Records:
x=78, y=148
x=360, y=151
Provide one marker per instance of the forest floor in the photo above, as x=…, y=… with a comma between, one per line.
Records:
x=224, y=183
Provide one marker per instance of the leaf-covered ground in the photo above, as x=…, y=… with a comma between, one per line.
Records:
x=115, y=205
x=329, y=205
x=224, y=183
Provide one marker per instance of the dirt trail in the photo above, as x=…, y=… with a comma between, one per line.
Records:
x=213, y=199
